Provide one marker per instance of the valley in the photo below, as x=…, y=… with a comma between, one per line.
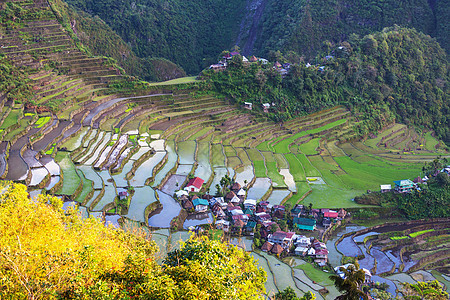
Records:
x=119, y=149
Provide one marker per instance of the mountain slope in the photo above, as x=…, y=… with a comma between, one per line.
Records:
x=302, y=26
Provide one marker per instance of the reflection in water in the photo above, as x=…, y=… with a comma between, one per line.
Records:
x=170, y=210
x=198, y=219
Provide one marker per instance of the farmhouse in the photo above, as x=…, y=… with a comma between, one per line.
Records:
x=223, y=225
x=200, y=205
x=305, y=223
x=194, y=185
x=403, y=186
x=266, y=107
x=385, y=188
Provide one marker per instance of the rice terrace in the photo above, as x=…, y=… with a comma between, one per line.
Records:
x=123, y=150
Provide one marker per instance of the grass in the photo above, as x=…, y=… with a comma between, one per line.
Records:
x=310, y=147
x=87, y=187
x=281, y=161
x=302, y=189
x=175, y=81
x=272, y=172
x=310, y=170
x=23, y=124
x=295, y=167
x=414, y=234
x=430, y=142
x=260, y=169
x=42, y=121
x=217, y=156
x=396, y=238
x=315, y=275
x=283, y=145
x=71, y=180
x=11, y=119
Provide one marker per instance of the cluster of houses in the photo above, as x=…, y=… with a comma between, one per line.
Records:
x=223, y=63
x=285, y=242
x=235, y=214
x=406, y=185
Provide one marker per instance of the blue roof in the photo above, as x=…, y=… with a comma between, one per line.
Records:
x=305, y=227
x=199, y=201
x=404, y=182
x=305, y=221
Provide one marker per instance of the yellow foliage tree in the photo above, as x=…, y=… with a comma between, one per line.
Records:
x=46, y=253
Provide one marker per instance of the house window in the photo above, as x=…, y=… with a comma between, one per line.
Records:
x=192, y=189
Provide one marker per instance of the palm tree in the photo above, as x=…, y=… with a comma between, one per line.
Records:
x=351, y=283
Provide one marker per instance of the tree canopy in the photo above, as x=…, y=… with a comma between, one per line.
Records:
x=46, y=253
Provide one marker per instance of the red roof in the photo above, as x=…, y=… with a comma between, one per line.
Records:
x=196, y=181
x=330, y=215
x=289, y=235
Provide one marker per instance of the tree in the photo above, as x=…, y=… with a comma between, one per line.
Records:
x=424, y=290
x=351, y=283
x=46, y=253
x=289, y=294
x=213, y=270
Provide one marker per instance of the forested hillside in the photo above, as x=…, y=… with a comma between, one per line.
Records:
x=303, y=26
x=189, y=33
x=397, y=74
x=192, y=33
x=101, y=40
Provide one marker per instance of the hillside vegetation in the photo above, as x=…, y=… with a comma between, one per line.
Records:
x=189, y=33
x=396, y=74
x=100, y=40
x=304, y=26
x=47, y=254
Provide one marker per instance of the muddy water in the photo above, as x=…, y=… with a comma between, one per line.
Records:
x=198, y=219
x=95, y=111
x=76, y=142
x=53, y=181
x=360, y=238
x=368, y=261
x=219, y=172
x=244, y=173
x=173, y=184
x=203, y=169
x=96, y=154
x=170, y=210
x=29, y=156
x=392, y=287
x=334, y=257
x=51, y=136
x=103, y=156
x=384, y=264
x=121, y=143
x=90, y=174
x=112, y=220
x=259, y=188
x=37, y=175
x=52, y=167
x=186, y=152
x=120, y=178
x=277, y=196
x=184, y=170
x=158, y=145
x=170, y=163
x=348, y=247
x=142, y=197
x=243, y=242
x=76, y=119
x=145, y=170
x=108, y=197
x=288, y=179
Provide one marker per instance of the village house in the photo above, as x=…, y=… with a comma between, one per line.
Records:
x=253, y=59
x=194, y=185
x=285, y=239
x=302, y=251
x=200, y=205
x=123, y=195
x=342, y=213
x=297, y=211
x=267, y=247
x=235, y=187
x=305, y=223
x=330, y=214
x=230, y=195
x=218, y=67
x=241, y=194
x=278, y=211
x=403, y=186
x=277, y=249
x=248, y=105
x=223, y=225
x=250, y=204
x=266, y=107
x=385, y=188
